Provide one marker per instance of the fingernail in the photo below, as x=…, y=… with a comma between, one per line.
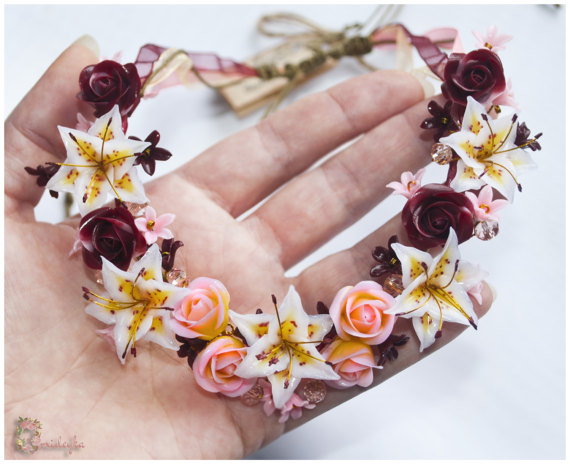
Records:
x=427, y=86
x=88, y=42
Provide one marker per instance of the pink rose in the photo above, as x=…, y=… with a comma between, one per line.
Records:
x=214, y=367
x=352, y=361
x=203, y=313
x=358, y=313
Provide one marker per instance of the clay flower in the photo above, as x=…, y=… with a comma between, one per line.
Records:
x=293, y=408
x=153, y=227
x=484, y=207
x=478, y=75
x=441, y=119
x=471, y=277
x=99, y=162
x=110, y=233
x=139, y=305
x=359, y=313
x=109, y=83
x=286, y=351
x=409, y=184
x=352, y=360
x=148, y=158
x=214, y=367
x=430, y=213
x=492, y=40
x=169, y=249
x=203, y=311
x=488, y=152
x=432, y=293
x=507, y=97
x=28, y=424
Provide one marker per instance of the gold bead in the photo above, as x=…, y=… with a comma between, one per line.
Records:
x=393, y=285
x=441, y=153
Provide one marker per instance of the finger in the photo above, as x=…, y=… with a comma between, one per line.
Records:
x=245, y=168
x=31, y=135
x=322, y=202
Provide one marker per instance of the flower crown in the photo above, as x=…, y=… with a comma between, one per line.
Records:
x=287, y=359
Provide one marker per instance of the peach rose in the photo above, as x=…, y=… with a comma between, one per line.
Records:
x=203, y=312
x=215, y=365
x=352, y=361
x=358, y=313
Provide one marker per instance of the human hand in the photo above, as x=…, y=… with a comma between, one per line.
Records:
x=60, y=371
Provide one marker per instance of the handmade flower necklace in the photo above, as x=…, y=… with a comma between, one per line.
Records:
x=287, y=359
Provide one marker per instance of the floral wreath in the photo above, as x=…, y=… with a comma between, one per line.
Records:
x=287, y=359
x=28, y=445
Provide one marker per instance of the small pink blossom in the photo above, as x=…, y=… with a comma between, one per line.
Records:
x=294, y=408
x=118, y=57
x=409, y=184
x=27, y=447
x=506, y=97
x=267, y=398
x=492, y=40
x=485, y=208
x=475, y=292
x=28, y=425
x=83, y=124
x=153, y=227
x=107, y=334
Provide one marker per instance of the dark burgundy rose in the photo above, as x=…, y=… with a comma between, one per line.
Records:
x=109, y=83
x=431, y=211
x=110, y=233
x=478, y=74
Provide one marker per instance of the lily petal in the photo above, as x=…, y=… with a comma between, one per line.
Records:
x=414, y=262
x=282, y=388
x=426, y=328
x=109, y=126
x=252, y=326
x=466, y=178
x=126, y=332
x=151, y=263
x=444, y=267
x=160, y=331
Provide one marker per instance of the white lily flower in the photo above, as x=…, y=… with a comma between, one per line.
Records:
x=432, y=294
x=283, y=347
x=488, y=152
x=99, y=162
x=139, y=305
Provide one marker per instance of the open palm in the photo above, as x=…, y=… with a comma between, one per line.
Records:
x=60, y=372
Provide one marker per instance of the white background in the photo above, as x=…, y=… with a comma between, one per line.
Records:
x=495, y=393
